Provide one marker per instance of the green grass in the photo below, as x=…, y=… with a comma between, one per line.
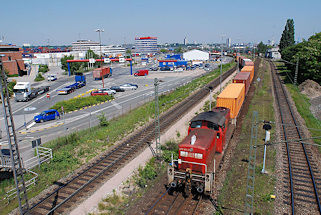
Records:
x=81, y=102
x=232, y=195
x=76, y=149
x=302, y=104
x=39, y=77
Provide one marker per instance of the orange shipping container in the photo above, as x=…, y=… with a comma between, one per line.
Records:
x=232, y=97
x=249, y=69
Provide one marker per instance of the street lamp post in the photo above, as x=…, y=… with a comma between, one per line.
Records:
x=221, y=63
x=237, y=64
x=101, y=57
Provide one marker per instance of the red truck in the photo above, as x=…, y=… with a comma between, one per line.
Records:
x=102, y=72
x=141, y=72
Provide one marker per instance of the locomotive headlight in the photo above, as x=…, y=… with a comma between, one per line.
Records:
x=207, y=178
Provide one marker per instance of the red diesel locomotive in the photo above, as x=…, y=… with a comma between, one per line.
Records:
x=200, y=152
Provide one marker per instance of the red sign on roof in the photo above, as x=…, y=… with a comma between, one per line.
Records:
x=145, y=38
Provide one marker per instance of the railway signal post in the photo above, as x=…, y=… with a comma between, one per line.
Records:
x=266, y=127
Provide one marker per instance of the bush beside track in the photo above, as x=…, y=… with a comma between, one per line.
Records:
x=72, y=151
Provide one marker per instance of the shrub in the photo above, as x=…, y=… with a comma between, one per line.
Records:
x=39, y=77
x=103, y=120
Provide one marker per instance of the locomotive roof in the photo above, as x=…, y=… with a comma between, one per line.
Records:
x=210, y=116
x=204, y=138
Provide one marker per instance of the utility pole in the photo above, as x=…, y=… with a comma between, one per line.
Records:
x=49, y=53
x=238, y=49
x=101, y=57
x=157, y=126
x=221, y=63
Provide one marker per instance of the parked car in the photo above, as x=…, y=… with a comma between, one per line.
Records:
x=128, y=86
x=47, y=115
x=135, y=85
x=117, y=88
x=52, y=77
x=179, y=70
x=109, y=91
x=165, y=68
x=98, y=93
x=153, y=68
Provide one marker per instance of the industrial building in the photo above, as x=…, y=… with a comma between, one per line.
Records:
x=145, y=45
x=273, y=53
x=12, y=60
x=196, y=55
x=85, y=45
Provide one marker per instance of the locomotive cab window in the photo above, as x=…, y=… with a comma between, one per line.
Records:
x=212, y=125
x=196, y=124
x=184, y=154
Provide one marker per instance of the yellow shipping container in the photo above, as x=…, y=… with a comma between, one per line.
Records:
x=249, y=69
x=232, y=97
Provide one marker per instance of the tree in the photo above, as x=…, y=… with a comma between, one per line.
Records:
x=91, y=54
x=262, y=48
x=309, y=55
x=164, y=50
x=74, y=66
x=178, y=50
x=287, y=38
x=43, y=68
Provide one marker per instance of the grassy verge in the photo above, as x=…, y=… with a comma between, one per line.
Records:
x=142, y=180
x=232, y=195
x=302, y=104
x=76, y=149
x=81, y=102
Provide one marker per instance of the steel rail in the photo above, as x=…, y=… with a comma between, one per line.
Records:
x=287, y=146
x=149, y=130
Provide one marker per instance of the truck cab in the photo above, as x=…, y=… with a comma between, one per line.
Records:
x=22, y=91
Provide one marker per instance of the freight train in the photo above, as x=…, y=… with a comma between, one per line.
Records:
x=209, y=133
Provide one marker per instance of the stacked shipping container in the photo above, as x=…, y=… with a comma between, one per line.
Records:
x=232, y=97
x=249, y=69
x=243, y=78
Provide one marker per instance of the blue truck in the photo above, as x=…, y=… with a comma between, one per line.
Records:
x=80, y=81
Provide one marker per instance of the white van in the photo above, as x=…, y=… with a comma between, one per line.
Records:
x=52, y=77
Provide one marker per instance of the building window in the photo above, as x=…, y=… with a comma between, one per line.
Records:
x=9, y=58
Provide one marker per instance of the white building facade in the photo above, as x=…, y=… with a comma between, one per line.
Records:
x=196, y=55
x=273, y=53
x=146, y=45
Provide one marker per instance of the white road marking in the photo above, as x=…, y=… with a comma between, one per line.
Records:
x=32, y=124
x=116, y=105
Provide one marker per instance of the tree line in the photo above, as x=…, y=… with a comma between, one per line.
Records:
x=307, y=53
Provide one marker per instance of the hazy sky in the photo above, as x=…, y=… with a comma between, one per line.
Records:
x=203, y=21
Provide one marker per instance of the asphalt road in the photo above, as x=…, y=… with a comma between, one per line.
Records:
x=124, y=101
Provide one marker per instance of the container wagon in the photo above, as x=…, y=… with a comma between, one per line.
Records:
x=232, y=97
x=243, y=78
x=249, y=69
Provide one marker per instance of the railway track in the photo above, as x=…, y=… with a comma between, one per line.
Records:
x=302, y=181
x=176, y=204
x=74, y=191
